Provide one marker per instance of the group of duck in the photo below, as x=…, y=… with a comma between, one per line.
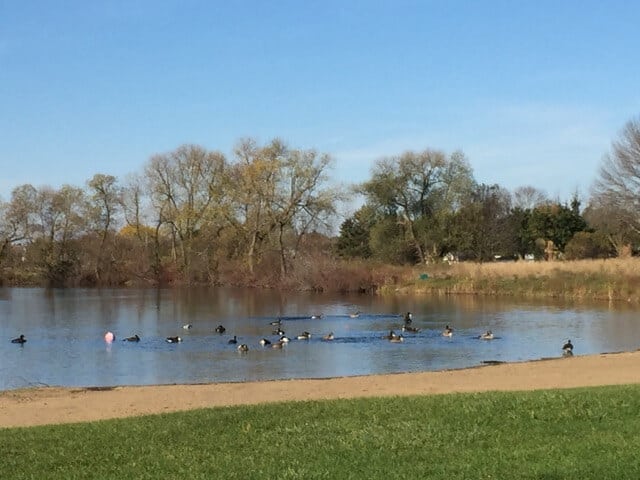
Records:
x=567, y=348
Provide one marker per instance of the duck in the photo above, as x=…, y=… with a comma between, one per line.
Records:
x=278, y=331
x=408, y=318
x=304, y=336
x=397, y=339
x=355, y=314
x=135, y=338
x=316, y=317
x=447, y=332
x=407, y=328
x=187, y=326
x=264, y=342
x=233, y=340
x=279, y=344
x=488, y=335
x=174, y=339
x=328, y=337
x=567, y=348
x=285, y=339
x=20, y=339
x=243, y=347
x=220, y=329
x=276, y=322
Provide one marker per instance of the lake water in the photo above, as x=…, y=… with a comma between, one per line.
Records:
x=65, y=334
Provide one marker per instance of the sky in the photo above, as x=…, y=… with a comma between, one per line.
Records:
x=533, y=93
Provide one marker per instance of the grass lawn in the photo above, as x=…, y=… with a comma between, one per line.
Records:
x=562, y=434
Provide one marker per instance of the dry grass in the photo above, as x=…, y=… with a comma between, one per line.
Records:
x=627, y=267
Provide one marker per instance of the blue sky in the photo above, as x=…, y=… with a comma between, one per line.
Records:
x=532, y=92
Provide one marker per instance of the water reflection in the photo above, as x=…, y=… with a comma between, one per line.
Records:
x=65, y=329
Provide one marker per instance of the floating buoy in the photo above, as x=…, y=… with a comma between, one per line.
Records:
x=109, y=337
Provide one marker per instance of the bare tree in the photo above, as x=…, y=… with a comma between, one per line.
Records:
x=618, y=182
x=185, y=187
x=528, y=197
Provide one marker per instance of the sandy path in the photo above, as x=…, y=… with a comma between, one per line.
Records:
x=42, y=406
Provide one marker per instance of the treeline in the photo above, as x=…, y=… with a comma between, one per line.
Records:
x=265, y=217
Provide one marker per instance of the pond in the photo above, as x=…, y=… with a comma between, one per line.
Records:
x=65, y=331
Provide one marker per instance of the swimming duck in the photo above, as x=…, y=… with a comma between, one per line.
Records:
x=243, y=347
x=285, y=339
x=397, y=339
x=407, y=328
x=276, y=322
x=328, y=337
x=304, y=336
x=355, y=314
x=278, y=331
x=135, y=338
x=264, y=342
x=447, y=332
x=233, y=340
x=567, y=348
x=187, y=326
x=174, y=339
x=488, y=335
x=408, y=318
x=220, y=329
x=20, y=339
x=316, y=317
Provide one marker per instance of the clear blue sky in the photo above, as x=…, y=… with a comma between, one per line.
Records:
x=532, y=92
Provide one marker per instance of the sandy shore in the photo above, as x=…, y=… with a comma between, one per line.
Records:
x=41, y=406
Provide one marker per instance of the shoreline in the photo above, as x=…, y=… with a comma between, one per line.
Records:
x=55, y=405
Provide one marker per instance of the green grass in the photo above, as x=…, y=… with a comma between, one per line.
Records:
x=561, y=434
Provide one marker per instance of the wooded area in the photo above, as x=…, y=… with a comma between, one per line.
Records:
x=270, y=216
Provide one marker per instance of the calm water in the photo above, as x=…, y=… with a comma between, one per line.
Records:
x=65, y=330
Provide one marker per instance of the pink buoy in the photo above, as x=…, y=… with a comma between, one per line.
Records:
x=109, y=337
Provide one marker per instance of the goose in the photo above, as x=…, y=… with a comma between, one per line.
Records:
x=567, y=348
x=488, y=335
x=135, y=338
x=20, y=339
x=328, y=337
x=233, y=340
x=187, y=326
x=220, y=329
x=304, y=336
x=407, y=328
x=264, y=342
x=243, y=347
x=174, y=339
x=447, y=332
x=391, y=335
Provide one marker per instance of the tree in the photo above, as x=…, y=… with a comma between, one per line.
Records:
x=186, y=187
x=419, y=186
x=103, y=203
x=528, y=197
x=355, y=234
x=618, y=182
x=479, y=227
